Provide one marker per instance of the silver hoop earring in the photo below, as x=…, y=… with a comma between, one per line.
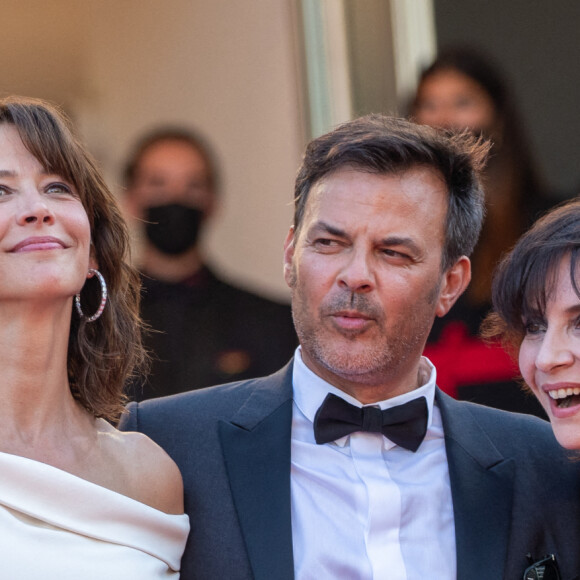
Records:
x=103, y=298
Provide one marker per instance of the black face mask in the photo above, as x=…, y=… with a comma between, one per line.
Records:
x=173, y=228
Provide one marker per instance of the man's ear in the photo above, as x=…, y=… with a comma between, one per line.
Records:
x=288, y=257
x=453, y=284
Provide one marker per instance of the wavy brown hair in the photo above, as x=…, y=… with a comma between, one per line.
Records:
x=102, y=354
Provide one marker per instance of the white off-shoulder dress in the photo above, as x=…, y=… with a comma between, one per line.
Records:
x=54, y=525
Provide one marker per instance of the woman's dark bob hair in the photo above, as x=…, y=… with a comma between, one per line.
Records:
x=526, y=277
x=103, y=354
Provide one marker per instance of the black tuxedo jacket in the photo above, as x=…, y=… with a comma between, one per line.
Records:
x=514, y=490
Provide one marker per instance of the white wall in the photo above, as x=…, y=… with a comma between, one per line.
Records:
x=228, y=68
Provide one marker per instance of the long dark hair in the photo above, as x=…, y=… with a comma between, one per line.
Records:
x=514, y=140
x=511, y=171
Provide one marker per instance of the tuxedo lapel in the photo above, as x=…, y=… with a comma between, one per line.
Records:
x=482, y=490
x=256, y=448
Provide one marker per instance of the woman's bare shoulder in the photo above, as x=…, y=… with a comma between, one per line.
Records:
x=148, y=474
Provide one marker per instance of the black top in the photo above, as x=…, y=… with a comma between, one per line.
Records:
x=206, y=331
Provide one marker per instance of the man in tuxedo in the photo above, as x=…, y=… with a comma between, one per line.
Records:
x=349, y=462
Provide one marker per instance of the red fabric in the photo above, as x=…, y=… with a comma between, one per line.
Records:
x=462, y=359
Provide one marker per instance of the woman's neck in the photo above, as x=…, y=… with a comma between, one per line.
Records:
x=33, y=357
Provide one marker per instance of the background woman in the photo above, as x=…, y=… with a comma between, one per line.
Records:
x=78, y=499
x=462, y=89
x=536, y=298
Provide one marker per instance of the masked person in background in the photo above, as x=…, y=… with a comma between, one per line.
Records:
x=203, y=330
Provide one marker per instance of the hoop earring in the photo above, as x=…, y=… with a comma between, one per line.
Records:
x=103, y=298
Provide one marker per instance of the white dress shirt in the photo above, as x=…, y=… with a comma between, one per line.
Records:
x=363, y=507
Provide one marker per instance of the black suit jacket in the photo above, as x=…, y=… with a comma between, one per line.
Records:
x=514, y=490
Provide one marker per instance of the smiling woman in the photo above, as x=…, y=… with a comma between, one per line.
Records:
x=63, y=371
x=536, y=297
x=43, y=226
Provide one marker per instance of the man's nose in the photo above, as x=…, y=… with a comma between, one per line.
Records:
x=356, y=275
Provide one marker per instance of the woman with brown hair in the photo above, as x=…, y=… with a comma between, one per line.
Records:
x=78, y=499
x=463, y=90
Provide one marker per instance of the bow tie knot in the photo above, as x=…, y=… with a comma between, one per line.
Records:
x=372, y=420
x=405, y=425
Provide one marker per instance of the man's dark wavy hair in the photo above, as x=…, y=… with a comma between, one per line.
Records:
x=387, y=145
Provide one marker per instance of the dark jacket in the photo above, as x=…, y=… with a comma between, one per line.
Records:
x=206, y=332
x=514, y=489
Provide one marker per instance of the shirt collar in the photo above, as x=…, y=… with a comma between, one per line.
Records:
x=310, y=390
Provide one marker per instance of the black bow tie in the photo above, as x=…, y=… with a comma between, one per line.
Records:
x=404, y=425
